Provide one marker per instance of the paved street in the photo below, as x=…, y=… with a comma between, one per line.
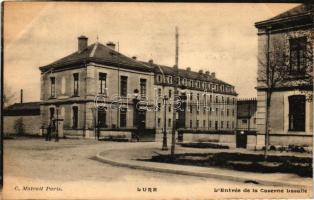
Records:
x=70, y=165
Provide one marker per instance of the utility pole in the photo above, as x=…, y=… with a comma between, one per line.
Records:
x=175, y=96
x=164, y=140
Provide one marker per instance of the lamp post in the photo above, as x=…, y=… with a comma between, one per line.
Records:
x=57, y=123
x=164, y=140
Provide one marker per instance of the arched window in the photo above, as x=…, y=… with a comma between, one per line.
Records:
x=296, y=113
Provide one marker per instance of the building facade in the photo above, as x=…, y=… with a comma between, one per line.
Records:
x=285, y=49
x=96, y=87
x=84, y=90
x=208, y=105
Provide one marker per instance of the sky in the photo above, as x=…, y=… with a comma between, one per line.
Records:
x=219, y=38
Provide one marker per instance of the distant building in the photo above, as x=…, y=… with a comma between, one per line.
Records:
x=22, y=118
x=209, y=109
x=290, y=36
x=246, y=122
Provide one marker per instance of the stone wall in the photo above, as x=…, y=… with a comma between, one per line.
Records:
x=31, y=124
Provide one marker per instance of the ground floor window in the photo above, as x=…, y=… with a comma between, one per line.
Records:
x=102, y=118
x=297, y=113
x=51, y=113
x=123, y=117
x=74, y=117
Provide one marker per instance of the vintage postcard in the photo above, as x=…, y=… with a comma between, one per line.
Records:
x=157, y=100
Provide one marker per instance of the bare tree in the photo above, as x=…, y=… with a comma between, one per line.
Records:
x=8, y=95
x=277, y=71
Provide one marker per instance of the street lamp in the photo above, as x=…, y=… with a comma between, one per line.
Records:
x=164, y=140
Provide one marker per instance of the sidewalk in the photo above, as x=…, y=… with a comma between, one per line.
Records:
x=127, y=157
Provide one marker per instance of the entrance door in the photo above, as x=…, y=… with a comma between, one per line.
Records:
x=241, y=139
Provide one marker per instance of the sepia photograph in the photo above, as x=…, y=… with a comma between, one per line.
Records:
x=104, y=100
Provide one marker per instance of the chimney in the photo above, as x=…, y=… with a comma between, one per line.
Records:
x=213, y=74
x=200, y=71
x=134, y=57
x=151, y=61
x=188, y=69
x=207, y=73
x=82, y=43
x=21, y=96
x=111, y=45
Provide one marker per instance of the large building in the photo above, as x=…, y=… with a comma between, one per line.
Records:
x=85, y=89
x=285, y=53
x=208, y=109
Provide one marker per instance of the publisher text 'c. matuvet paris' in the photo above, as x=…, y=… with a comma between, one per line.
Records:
x=262, y=190
x=41, y=188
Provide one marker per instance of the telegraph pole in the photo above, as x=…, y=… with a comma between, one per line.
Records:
x=175, y=96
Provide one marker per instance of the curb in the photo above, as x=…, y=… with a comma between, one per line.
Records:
x=197, y=174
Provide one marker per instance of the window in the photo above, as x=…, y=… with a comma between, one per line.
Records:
x=227, y=124
x=297, y=113
x=52, y=113
x=216, y=111
x=159, y=78
x=158, y=122
x=191, y=96
x=198, y=96
x=254, y=120
x=169, y=122
x=197, y=123
x=210, y=98
x=191, y=108
x=209, y=124
x=222, y=99
x=74, y=117
x=204, y=123
x=222, y=112
x=244, y=121
x=159, y=107
x=216, y=125
x=143, y=87
x=52, y=87
x=170, y=93
x=217, y=100
x=232, y=124
x=102, y=83
x=169, y=108
x=170, y=79
x=191, y=123
x=159, y=92
x=228, y=100
x=232, y=112
x=101, y=118
x=123, y=117
x=222, y=124
x=297, y=55
x=227, y=112
x=76, y=84
x=123, y=86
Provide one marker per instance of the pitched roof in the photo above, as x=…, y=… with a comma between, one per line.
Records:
x=29, y=108
x=185, y=73
x=101, y=54
x=299, y=11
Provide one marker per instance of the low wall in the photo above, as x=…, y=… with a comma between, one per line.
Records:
x=258, y=141
x=225, y=139
x=31, y=124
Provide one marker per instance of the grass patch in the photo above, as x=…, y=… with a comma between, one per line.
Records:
x=301, y=166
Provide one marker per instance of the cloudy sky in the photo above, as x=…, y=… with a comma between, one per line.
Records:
x=220, y=38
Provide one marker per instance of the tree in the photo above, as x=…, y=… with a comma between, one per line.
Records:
x=277, y=69
x=8, y=95
x=19, y=126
